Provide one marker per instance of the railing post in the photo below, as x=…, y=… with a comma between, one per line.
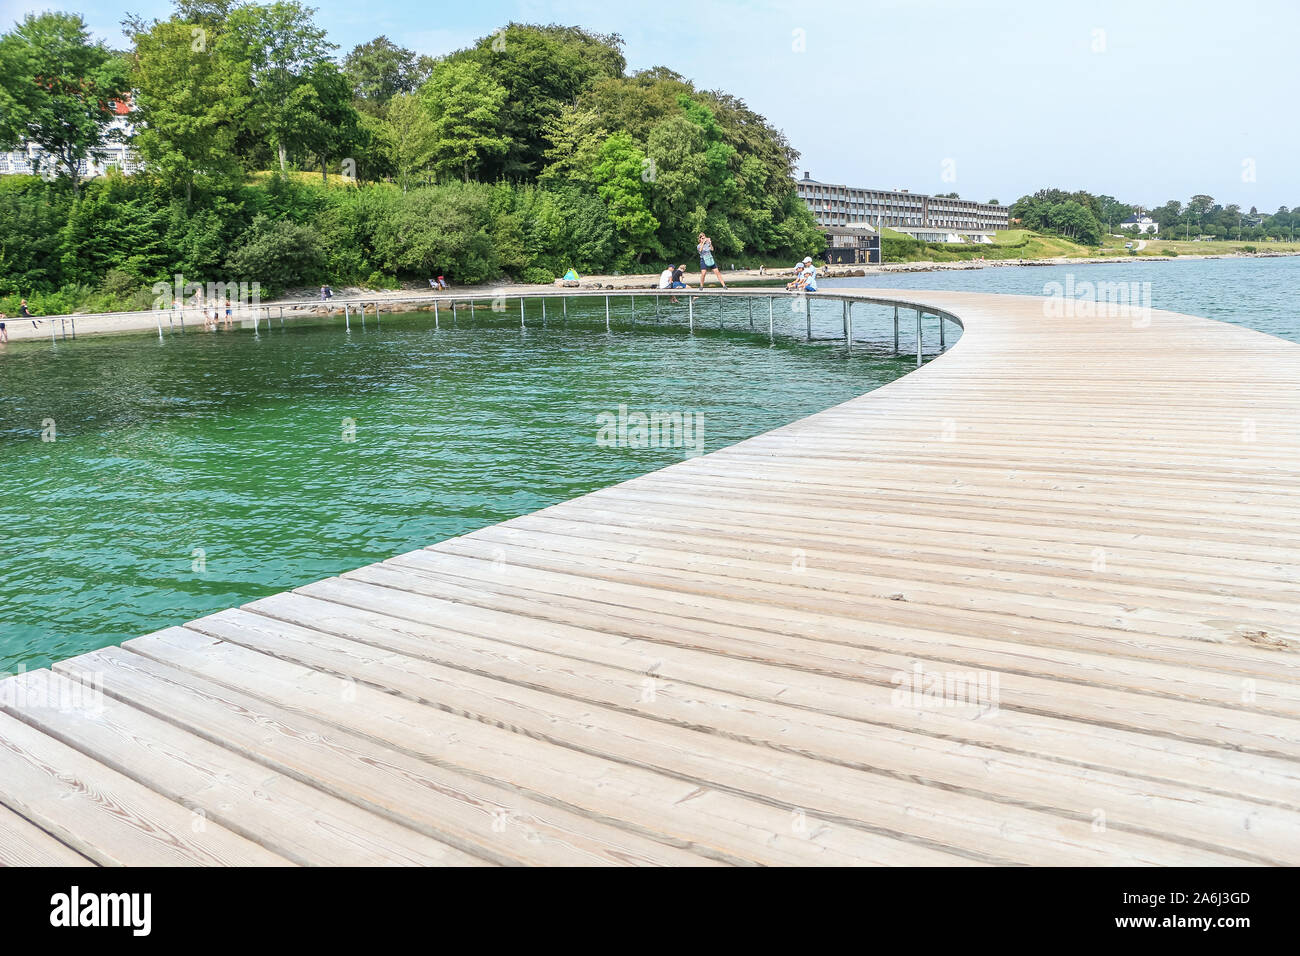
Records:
x=606, y=313
x=435, y=315
x=690, y=309
x=895, y=329
x=347, y=317
x=807, y=314
x=848, y=321
x=751, y=313
x=158, y=316
x=521, y=312
x=942, y=345
x=543, y=311
x=771, y=335
x=453, y=313
x=918, y=338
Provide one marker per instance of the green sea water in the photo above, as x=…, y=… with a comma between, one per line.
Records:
x=206, y=470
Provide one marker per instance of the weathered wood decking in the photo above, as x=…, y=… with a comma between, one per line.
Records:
x=1096, y=518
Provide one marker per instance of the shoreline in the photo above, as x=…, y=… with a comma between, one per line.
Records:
x=117, y=323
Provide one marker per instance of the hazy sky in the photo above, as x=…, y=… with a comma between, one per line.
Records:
x=1147, y=100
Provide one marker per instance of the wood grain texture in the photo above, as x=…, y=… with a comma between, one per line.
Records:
x=1090, y=520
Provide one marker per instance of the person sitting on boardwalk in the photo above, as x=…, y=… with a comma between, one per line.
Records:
x=679, y=275
x=707, y=262
x=796, y=284
x=809, y=275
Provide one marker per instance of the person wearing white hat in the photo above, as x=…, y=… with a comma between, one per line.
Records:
x=794, y=284
x=809, y=275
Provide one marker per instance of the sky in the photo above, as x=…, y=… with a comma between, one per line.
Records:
x=1145, y=100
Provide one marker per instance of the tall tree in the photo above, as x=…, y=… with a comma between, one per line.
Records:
x=59, y=90
x=465, y=104
x=412, y=138
x=575, y=136
x=620, y=175
x=278, y=46
x=324, y=123
x=188, y=103
x=541, y=68
x=380, y=70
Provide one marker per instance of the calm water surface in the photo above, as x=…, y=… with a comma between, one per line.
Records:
x=208, y=470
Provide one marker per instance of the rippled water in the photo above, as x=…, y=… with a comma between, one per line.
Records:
x=1262, y=294
x=208, y=470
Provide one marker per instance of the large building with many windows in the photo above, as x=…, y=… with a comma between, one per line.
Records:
x=30, y=158
x=931, y=218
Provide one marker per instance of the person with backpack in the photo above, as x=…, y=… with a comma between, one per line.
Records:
x=707, y=262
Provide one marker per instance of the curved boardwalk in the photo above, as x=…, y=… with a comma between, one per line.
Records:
x=1034, y=603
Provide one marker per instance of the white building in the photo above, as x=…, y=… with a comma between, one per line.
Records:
x=31, y=158
x=1142, y=223
x=930, y=218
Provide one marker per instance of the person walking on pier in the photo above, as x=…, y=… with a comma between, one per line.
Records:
x=4, y=333
x=707, y=262
x=26, y=313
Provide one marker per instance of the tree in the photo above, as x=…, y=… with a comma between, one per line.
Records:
x=541, y=68
x=278, y=46
x=465, y=104
x=575, y=136
x=58, y=90
x=187, y=104
x=379, y=70
x=323, y=122
x=620, y=178
x=411, y=137
x=1198, y=206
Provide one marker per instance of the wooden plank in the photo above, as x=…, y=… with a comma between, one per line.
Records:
x=714, y=760
x=288, y=817
x=104, y=815
x=24, y=844
x=498, y=823
x=779, y=669
x=1265, y=833
x=708, y=821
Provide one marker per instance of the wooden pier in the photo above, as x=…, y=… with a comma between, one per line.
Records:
x=1037, y=602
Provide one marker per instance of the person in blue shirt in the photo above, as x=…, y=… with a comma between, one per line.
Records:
x=809, y=275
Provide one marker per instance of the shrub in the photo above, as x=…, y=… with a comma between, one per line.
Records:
x=277, y=254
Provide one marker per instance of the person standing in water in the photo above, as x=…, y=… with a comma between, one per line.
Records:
x=707, y=262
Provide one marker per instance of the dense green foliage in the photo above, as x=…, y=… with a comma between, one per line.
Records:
x=526, y=154
x=1085, y=218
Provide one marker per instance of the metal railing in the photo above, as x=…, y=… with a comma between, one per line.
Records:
x=438, y=303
